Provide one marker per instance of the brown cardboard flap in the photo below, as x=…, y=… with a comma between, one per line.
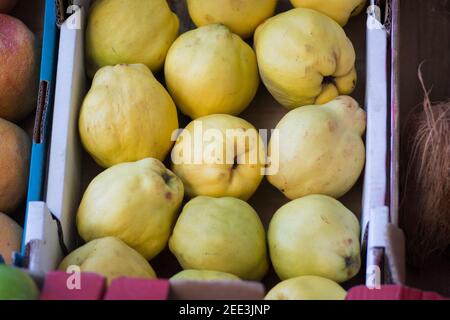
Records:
x=395, y=253
x=216, y=290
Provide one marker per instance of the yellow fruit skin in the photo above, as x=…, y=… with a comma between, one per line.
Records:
x=204, y=275
x=220, y=234
x=220, y=179
x=338, y=10
x=138, y=31
x=307, y=288
x=315, y=235
x=300, y=52
x=210, y=70
x=242, y=17
x=319, y=149
x=135, y=202
x=109, y=257
x=126, y=116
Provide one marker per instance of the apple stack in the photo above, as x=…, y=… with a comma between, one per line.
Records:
x=19, y=67
x=129, y=125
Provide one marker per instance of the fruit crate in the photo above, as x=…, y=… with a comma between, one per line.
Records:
x=39, y=16
x=71, y=169
x=421, y=35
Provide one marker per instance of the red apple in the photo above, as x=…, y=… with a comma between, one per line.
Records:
x=7, y=5
x=19, y=69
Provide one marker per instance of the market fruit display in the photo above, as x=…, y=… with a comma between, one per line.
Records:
x=15, y=149
x=138, y=31
x=109, y=257
x=305, y=57
x=19, y=69
x=15, y=284
x=204, y=275
x=126, y=116
x=135, y=202
x=218, y=156
x=339, y=10
x=315, y=235
x=210, y=70
x=7, y=5
x=10, y=237
x=242, y=17
x=319, y=149
x=220, y=234
x=307, y=288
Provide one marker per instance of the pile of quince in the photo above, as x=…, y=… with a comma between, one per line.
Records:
x=129, y=124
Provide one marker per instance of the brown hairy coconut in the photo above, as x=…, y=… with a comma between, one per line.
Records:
x=425, y=201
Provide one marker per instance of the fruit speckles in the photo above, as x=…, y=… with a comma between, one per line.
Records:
x=209, y=18
x=168, y=195
x=332, y=126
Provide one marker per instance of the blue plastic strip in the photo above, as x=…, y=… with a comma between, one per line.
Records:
x=36, y=180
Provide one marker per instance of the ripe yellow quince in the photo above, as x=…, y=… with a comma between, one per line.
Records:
x=315, y=235
x=137, y=31
x=210, y=70
x=204, y=275
x=307, y=288
x=220, y=234
x=126, y=116
x=242, y=17
x=305, y=58
x=319, y=149
x=135, y=202
x=219, y=156
x=109, y=257
x=339, y=10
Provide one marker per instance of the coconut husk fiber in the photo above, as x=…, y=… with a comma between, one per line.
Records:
x=425, y=183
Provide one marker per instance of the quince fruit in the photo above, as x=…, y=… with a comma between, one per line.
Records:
x=305, y=58
x=339, y=10
x=126, y=116
x=319, y=149
x=138, y=31
x=220, y=234
x=315, y=235
x=242, y=17
x=210, y=70
x=135, y=202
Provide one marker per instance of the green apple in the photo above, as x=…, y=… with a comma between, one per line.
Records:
x=15, y=284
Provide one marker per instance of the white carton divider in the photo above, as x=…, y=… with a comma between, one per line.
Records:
x=379, y=221
x=41, y=239
x=64, y=174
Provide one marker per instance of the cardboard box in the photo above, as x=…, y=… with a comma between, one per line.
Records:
x=71, y=169
x=421, y=34
x=39, y=16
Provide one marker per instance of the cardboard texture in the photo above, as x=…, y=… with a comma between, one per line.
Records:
x=60, y=286
x=137, y=289
x=422, y=35
x=391, y=292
